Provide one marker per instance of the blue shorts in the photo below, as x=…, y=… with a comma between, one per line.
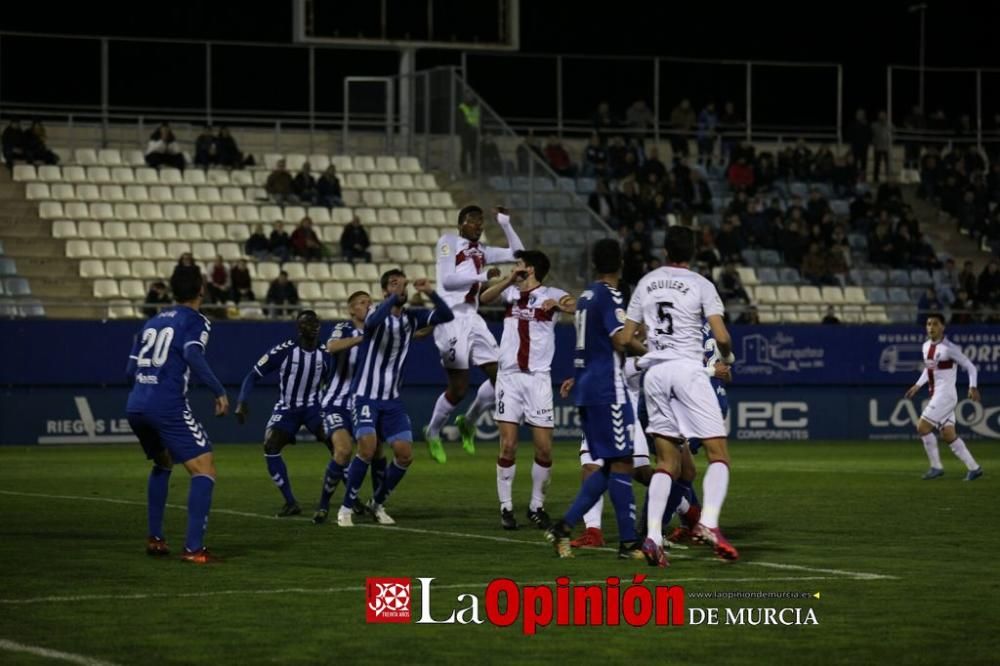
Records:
x=720, y=394
x=608, y=430
x=337, y=417
x=290, y=420
x=385, y=418
x=178, y=433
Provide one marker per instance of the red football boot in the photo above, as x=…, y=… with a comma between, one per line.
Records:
x=592, y=537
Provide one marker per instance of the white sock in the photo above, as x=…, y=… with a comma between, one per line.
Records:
x=931, y=447
x=659, y=491
x=485, y=399
x=505, y=485
x=714, y=489
x=959, y=449
x=539, y=482
x=683, y=507
x=592, y=519
x=442, y=410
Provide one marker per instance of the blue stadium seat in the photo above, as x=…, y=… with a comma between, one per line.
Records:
x=899, y=295
x=582, y=219
x=544, y=184
x=31, y=308
x=555, y=218
x=899, y=278
x=7, y=267
x=919, y=277
x=659, y=236
x=899, y=314
x=916, y=293
x=499, y=183
x=798, y=189
x=520, y=183
x=857, y=277
x=751, y=257
x=768, y=275
x=551, y=200
x=586, y=185
x=7, y=308
x=840, y=207
x=824, y=189
x=857, y=241
x=770, y=258
x=518, y=201
x=877, y=295
x=16, y=286
x=566, y=185
x=790, y=275
x=876, y=276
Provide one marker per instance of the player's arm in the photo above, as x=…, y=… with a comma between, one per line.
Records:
x=338, y=343
x=441, y=312
x=421, y=333
x=446, y=274
x=267, y=364
x=564, y=303
x=380, y=314
x=133, y=363
x=723, y=342
x=499, y=255
x=970, y=368
x=721, y=371
x=493, y=292
x=196, y=337
x=921, y=380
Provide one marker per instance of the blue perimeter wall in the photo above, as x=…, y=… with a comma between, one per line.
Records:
x=63, y=381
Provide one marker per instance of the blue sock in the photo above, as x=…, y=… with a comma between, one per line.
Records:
x=378, y=474
x=677, y=492
x=590, y=492
x=334, y=474
x=690, y=493
x=641, y=522
x=279, y=474
x=623, y=499
x=199, y=502
x=393, y=476
x=156, y=498
x=355, y=477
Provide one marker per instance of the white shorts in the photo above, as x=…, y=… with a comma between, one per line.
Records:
x=640, y=449
x=465, y=341
x=680, y=401
x=524, y=397
x=940, y=411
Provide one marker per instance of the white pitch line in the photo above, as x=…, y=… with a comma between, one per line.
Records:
x=361, y=588
x=859, y=575
x=11, y=646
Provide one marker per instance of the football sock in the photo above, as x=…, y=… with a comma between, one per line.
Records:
x=590, y=492
x=393, y=475
x=673, y=501
x=931, y=447
x=485, y=399
x=959, y=449
x=620, y=489
x=690, y=494
x=683, y=507
x=156, y=498
x=334, y=474
x=540, y=475
x=593, y=516
x=355, y=477
x=199, y=503
x=659, y=491
x=378, y=473
x=279, y=474
x=505, y=483
x=442, y=410
x=715, y=486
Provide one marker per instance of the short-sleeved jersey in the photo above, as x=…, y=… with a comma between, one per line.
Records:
x=378, y=374
x=301, y=373
x=711, y=358
x=600, y=313
x=161, y=376
x=673, y=303
x=940, y=359
x=459, y=256
x=528, y=342
x=338, y=389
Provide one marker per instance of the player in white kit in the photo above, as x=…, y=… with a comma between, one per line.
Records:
x=466, y=341
x=940, y=358
x=673, y=302
x=524, y=383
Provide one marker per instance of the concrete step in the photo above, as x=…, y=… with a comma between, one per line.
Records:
x=18, y=207
x=39, y=247
x=35, y=267
x=76, y=311
x=25, y=228
x=62, y=289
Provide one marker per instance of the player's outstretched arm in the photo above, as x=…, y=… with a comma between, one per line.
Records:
x=499, y=255
x=337, y=346
x=441, y=312
x=493, y=292
x=380, y=314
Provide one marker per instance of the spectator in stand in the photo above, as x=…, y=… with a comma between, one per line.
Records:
x=728, y=239
x=354, y=242
x=280, y=244
x=971, y=214
x=468, y=122
x=492, y=161
x=700, y=200
x=628, y=205
x=163, y=149
x=616, y=157
x=36, y=148
x=602, y=120
x=639, y=119
x=881, y=246
x=749, y=316
x=558, y=158
x=843, y=177
x=257, y=245
x=988, y=289
x=707, y=127
x=595, y=158
x=860, y=138
x=157, y=297
x=731, y=130
x=304, y=185
x=731, y=284
x=14, y=148
x=279, y=185
x=206, y=150
x=764, y=172
x=946, y=281
x=282, y=296
x=328, y=192
x=602, y=203
x=653, y=165
x=305, y=242
x=741, y=176
x=239, y=276
x=219, y=289
x=931, y=175
x=682, y=119
x=634, y=266
x=185, y=264
x=968, y=282
x=881, y=142
x=228, y=152
x=963, y=309
x=922, y=255
x=927, y=304
x=831, y=315
x=815, y=266
x=837, y=265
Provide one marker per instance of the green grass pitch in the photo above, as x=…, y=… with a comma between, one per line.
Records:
x=905, y=568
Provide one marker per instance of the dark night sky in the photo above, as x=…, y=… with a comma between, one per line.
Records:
x=864, y=37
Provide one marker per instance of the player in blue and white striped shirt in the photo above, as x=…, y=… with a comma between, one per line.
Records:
x=304, y=367
x=378, y=411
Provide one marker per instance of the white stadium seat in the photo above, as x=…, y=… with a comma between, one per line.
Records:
x=90, y=229
x=64, y=229
x=92, y=268
x=106, y=288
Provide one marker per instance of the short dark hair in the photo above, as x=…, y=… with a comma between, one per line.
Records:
x=466, y=211
x=303, y=314
x=388, y=275
x=350, y=299
x=606, y=255
x=936, y=315
x=537, y=260
x=679, y=244
x=186, y=284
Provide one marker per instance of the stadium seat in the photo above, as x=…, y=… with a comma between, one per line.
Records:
x=123, y=175
x=809, y=294
x=399, y=254
x=270, y=214
x=199, y=213
x=356, y=181
x=310, y=291
x=343, y=163
x=115, y=230
x=351, y=198
x=194, y=177
x=185, y=194
x=64, y=229
x=748, y=276
x=161, y=193
x=920, y=277
x=36, y=191
x=49, y=172
x=436, y=217
x=106, y=288
x=117, y=268
x=170, y=176
x=99, y=174
x=223, y=213
x=402, y=181
x=855, y=295
x=203, y=251
x=82, y=192
x=103, y=249
x=342, y=271
x=296, y=270
x=751, y=258
x=25, y=172
x=767, y=275
x=318, y=271
x=899, y=295
x=832, y=295
x=175, y=212
x=121, y=309
x=293, y=214
x=330, y=233
x=233, y=195
x=74, y=174
x=77, y=249
x=237, y=232
x=422, y=254
x=178, y=247
x=442, y=200
x=364, y=163
x=125, y=211
x=366, y=215
x=427, y=235
x=319, y=163
x=92, y=268
x=190, y=231
x=341, y=215
x=405, y=235
x=144, y=269
x=789, y=275
x=876, y=315
x=381, y=235
x=335, y=291
x=373, y=198
x=425, y=181
x=318, y=214
x=248, y=214
x=268, y=270
x=380, y=181
x=209, y=195
x=367, y=272
x=63, y=191
x=251, y=310
x=112, y=193
x=134, y=193
x=50, y=210
x=156, y=250
x=109, y=157
x=396, y=198
x=85, y=156
x=165, y=231
x=765, y=294
x=213, y=232
x=147, y=176
x=899, y=278
x=409, y=164
x=418, y=200
x=412, y=216
x=787, y=294
x=133, y=289
x=876, y=277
